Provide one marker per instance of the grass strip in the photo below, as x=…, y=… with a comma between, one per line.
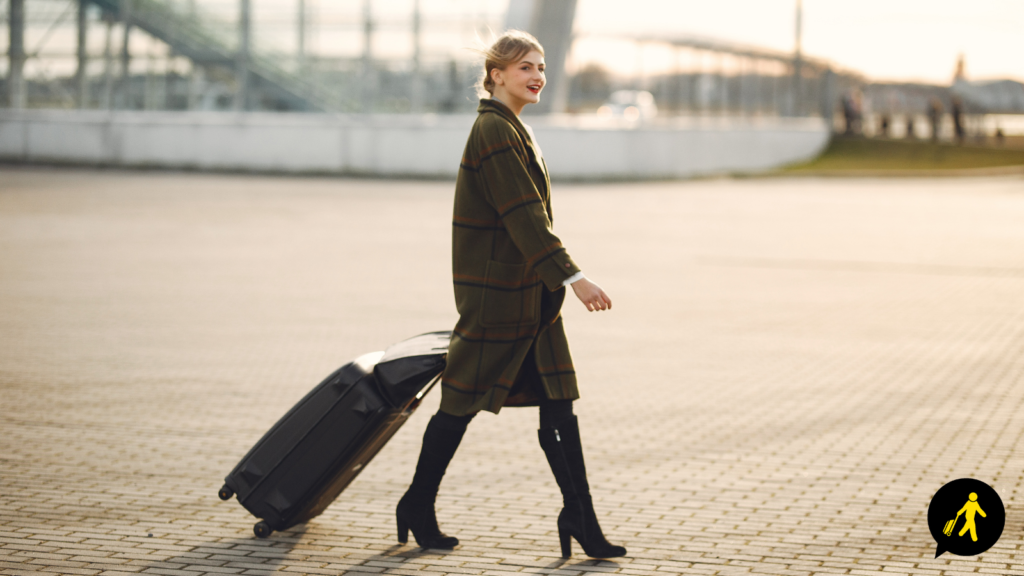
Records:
x=851, y=154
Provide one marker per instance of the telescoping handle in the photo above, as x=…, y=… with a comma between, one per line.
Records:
x=419, y=397
x=427, y=388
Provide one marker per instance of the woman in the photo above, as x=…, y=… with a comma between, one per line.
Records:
x=510, y=271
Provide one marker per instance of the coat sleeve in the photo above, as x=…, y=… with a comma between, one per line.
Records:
x=512, y=193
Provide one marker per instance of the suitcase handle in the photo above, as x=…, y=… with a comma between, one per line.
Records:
x=423, y=392
x=415, y=403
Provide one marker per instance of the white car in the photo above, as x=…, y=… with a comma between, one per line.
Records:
x=629, y=104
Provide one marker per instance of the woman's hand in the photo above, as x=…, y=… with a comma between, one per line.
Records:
x=591, y=295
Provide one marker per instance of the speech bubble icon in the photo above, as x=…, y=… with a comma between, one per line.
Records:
x=965, y=517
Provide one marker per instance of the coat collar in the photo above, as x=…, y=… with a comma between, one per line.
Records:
x=496, y=106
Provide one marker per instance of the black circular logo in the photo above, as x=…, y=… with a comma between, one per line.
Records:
x=966, y=517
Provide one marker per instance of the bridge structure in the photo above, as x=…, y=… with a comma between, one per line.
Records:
x=222, y=65
x=730, y=108
x=257, y=79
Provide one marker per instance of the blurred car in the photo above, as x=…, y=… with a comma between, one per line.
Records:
x=629, y=104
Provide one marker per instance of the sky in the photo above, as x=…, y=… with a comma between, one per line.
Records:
x=917, y=40
x=882, y=39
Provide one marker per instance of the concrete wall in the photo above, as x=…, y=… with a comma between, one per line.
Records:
x=400, y=145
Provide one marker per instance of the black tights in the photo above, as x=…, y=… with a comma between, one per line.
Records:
x=552, y=413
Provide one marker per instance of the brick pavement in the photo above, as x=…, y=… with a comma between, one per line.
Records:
x=827, y=353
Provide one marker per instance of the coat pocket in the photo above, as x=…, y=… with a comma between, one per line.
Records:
x=511, y=297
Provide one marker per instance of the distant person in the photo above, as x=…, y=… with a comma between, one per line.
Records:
x=510, y=274
x=1000, y=137
x=910, y=128
x=849, y=114
x=935, y=111
x=958, y=120
x=883, y=126
x=852, y=112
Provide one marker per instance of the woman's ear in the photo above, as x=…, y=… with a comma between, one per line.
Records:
x=497, y=77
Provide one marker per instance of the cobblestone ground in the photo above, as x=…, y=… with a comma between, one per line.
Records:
x=791, y=370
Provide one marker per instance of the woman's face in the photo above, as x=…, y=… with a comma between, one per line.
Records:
x=521, y=83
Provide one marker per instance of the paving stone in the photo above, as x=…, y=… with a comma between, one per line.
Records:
x=791, y=369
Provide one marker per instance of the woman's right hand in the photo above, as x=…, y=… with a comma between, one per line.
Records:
x=592, y=296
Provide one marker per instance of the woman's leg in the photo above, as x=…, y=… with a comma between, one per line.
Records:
x=559, y=436
x=416, y=508
x=554, y=412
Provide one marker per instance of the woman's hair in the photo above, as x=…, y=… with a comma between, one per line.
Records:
x=506, y=50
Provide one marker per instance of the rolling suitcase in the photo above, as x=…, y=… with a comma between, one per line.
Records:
x=948, y=528
x=315, y=450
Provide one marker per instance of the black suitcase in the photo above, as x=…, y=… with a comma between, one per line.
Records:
x=315, y=450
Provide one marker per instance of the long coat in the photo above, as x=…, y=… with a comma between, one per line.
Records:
x=509, y=345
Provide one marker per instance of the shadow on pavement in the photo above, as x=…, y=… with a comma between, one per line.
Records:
x=569, y=563
x=254, y=553
x=395, y=557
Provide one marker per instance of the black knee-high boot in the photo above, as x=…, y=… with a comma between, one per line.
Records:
x=416, y=508
x=577, y=520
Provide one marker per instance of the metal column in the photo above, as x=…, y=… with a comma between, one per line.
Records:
x=83, y=58
x=301, y=35
x=699, y=85
x=677, y=82
x=828, y=96
x=722, y=93
x=125, y=93
x=552, y=25
x=242, y=58
x=797, y=105
x=367, y=75
x=16, y=53
x=195, y=76
x=107, y=95
x=416, y=96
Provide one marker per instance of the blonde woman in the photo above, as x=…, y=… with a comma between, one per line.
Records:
x=510, y=273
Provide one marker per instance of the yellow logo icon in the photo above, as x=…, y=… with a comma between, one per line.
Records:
x=970, y=508
x=976, y=511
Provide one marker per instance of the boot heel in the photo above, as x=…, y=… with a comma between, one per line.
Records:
x=403, y=529
x=566, y=539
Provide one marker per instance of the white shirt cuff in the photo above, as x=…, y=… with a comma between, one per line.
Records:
x=577, y=276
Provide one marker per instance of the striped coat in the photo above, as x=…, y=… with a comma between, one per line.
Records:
x=508, y=267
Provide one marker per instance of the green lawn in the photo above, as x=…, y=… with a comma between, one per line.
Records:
x=850, y=154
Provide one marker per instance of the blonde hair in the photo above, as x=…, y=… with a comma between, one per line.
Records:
x=506, y=50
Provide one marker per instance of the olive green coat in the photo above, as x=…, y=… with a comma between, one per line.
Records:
x=508, y=268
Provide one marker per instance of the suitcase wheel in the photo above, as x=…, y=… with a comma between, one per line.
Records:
x=225, y=492
x=261, y=529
